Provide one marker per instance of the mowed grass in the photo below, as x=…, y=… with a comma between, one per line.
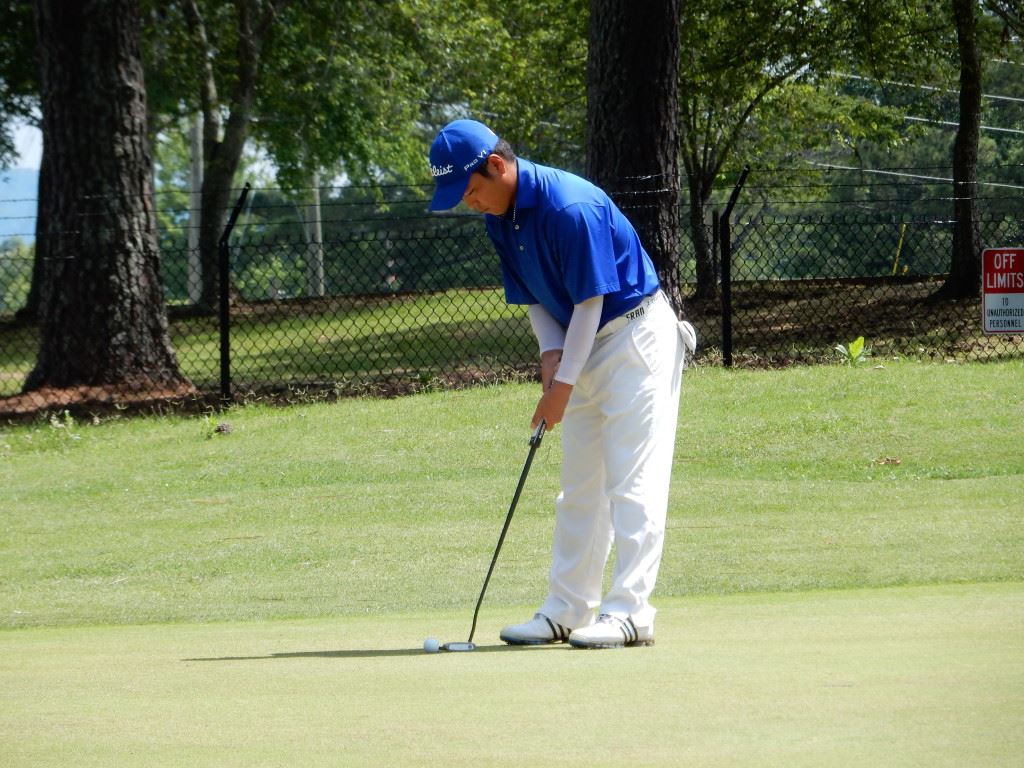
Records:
x=843, y=583
x=899, y=677
x=802, y=479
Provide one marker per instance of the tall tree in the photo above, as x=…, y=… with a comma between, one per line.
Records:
x=734, y=57
x=964, y=278
x=322, y=85
x=103, y=319
x=632, y=113
x=977, y=31
x=224, y=138
x=742, y=60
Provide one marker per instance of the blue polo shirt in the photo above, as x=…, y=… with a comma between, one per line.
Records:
x=568, y=242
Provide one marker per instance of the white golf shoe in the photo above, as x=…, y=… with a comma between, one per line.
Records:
x=540, y=630
x=611, y=632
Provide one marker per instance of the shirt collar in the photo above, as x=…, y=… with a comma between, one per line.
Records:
x=526, y=186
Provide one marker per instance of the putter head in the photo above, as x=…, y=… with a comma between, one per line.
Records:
x=458, y=647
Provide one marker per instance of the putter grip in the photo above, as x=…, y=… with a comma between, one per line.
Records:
x=538, y=434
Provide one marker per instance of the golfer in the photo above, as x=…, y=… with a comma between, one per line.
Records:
x=612, y=355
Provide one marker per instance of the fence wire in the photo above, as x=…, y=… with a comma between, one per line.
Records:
x=374, y=296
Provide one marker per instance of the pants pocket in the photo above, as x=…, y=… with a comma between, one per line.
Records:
x=644, y=340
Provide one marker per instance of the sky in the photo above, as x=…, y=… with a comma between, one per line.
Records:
x=18, y=186
x=28, y=142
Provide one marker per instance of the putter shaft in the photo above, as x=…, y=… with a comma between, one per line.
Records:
x=535, y=441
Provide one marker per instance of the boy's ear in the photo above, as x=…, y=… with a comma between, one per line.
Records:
x=497, y=164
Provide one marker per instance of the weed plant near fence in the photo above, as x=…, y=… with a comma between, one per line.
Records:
x=370, y=294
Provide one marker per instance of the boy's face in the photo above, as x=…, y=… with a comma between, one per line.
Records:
x=493, y=193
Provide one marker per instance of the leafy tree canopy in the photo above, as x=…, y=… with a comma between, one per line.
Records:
x=19, y=86
x=520, y=67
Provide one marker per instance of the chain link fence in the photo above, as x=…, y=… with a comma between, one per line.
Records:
x=368, y=294
x=801, y=284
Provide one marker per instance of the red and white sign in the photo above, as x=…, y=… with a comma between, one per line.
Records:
x=1002, y=281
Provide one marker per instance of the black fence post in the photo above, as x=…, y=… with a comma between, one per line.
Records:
x=726, y=268
x=224, y=286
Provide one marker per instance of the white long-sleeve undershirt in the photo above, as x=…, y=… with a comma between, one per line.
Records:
x=550, y=334
x=576, y=341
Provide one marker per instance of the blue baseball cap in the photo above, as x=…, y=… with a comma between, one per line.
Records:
x=459, y=149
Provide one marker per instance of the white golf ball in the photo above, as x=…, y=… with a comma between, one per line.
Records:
x=430, y=645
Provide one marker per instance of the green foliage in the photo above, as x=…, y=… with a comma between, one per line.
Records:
x=269, y=278
x=172, y=185
x=357, y=89
x=16, y=260
x=853, y=353
x=335, y=90
x=1009, y=13
x=351, y=95
x=922, y=148
x=755, y=77
x=518, y=66
x=733, y=55
x=18, y=71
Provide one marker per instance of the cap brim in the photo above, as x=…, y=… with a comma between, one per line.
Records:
x=448, y=195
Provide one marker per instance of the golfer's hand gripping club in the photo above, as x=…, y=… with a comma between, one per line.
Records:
x=555, y=394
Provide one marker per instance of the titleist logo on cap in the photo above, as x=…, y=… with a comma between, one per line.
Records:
x=442, y=170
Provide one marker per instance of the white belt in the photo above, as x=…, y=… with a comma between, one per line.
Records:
x=637, y=312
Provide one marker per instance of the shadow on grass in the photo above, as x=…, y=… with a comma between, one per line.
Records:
x=373, y=654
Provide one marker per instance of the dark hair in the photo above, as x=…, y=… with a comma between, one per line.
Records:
x=503, y=150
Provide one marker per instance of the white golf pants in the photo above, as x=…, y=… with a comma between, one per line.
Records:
x=618, y=437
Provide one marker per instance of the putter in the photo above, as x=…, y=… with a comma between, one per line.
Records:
x=458, y=647
x=535, y=441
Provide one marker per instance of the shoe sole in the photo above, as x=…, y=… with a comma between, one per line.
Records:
x=517, y=641
x=590, y=646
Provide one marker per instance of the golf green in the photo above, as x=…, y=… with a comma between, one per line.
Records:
x=891, y=677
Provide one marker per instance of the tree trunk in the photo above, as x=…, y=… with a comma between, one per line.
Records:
x=221, y=154
x=215, y=200
x=632, y=114
x=964, y=279
x=102, y=305
x=707, y=263
x=313, y=224
x=220, y=159
x=195, y=203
